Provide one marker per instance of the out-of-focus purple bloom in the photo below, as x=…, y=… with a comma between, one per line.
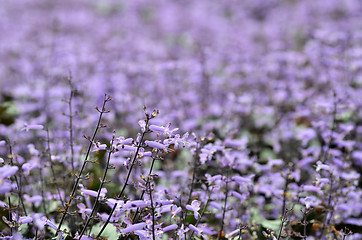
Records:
x=311, y=188
x=32, y=127
x=216, y=205
x=3, y=205
x=307, y=202
x=24, y=220
x=311, y=201
x=320, y=166
x=49, y=223
x=36, y=199
x=357, y=157
x=29, y=166
x=2, y=143
x=305, y=135
x=243, y=180
x=236, y=143
x=8, y=171
x=352, y=175
x=83, y=210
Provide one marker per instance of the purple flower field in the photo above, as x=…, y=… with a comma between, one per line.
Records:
x=207, y=119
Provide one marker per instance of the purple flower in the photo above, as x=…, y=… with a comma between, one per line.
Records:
x=36, y=199
x=136, y=204
x=142, y=124
x=181, y=231
x=195, y=229
x=322, y=166
x=8, y=171
x=155, y=144
x=32, y=127
x=99, y=147
x=178, y=141
x=236, y=143
x=166, y=131
x=311, y=188
x=3, y=205
x=83, y=210
x=134, y=227
x=170, y=227
x=24, y=220
x=195, y=207
x=243, y=180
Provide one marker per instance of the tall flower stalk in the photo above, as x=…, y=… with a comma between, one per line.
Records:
x=79, y=175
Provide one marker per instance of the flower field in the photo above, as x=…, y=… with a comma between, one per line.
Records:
x=207, y=119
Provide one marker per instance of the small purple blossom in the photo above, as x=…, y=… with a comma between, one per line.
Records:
x=195, y=207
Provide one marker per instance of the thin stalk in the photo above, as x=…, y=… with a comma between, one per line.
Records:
x=194, y=174
x=10, y=215
x=78, y=177
x=18, y=182
x=225, y=202
x=324, y=154
x=95, y=205
x=284, y=210
x=152, y=210
x=42, y=190
x=52, y=168
x=134, y=219
x=71, y=121
x=304, y=222
x=202, y=213
x=284, y=219
x=127, y=178
x=329, y=205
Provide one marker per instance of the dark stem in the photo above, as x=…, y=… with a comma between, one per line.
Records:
x=42, y=190
x=329, y=205
x=194, y=173
x=18, y=182
x=152, y=209
x=95, y=205
x=10, y=215
x=202, y=212
x=52, y=168
x=134, y=219
x=127, y=179
x=334, y=123
x=78, y=177
x=225, y=202
x=284, y=210
x=71, y=121
x=304, y=223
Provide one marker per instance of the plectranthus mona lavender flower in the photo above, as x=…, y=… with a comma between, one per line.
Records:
x=275, y=146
